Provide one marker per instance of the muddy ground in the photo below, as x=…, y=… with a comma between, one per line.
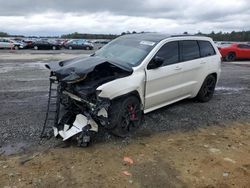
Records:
x=217, y=156
x=187, y=144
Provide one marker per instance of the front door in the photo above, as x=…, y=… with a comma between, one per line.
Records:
x=163, y=83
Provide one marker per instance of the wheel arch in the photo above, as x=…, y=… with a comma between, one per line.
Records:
x=215, y=74
x=134, y=93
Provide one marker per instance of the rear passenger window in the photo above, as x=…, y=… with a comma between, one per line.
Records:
x=189, y=50
x=170, y=53
x=206, y=48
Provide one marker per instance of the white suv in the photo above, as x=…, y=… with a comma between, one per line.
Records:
x=132, y=75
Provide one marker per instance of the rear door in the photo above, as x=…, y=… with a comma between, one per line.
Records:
x=192, y=65
x=81, y=44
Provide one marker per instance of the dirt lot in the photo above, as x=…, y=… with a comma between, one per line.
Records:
x=187, y=144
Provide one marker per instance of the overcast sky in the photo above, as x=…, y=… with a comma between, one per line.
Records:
x=56, y=17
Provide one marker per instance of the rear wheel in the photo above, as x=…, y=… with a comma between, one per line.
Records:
x=230, y=56
x=87, y=48
x=53, y=48
x=207, y=89
x=16, y=48
x=35, y=47
x=125, y=116
x=70, y=48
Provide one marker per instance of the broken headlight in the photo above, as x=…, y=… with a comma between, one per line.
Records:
x=98, y=92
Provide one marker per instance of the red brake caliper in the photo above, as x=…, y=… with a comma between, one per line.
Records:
x=132, y=112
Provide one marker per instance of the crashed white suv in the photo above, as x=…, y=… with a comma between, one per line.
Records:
x=132, y=75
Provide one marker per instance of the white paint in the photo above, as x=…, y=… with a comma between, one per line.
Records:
x=168, y=84
x=55, y=130
x=80, y=122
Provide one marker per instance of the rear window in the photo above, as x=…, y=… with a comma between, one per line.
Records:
x=189, y=50
x=206, y=48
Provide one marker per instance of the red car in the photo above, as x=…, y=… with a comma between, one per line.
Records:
x=235, y=51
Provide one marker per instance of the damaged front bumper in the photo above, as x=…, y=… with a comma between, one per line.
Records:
x=81, y=117
x=78, y=80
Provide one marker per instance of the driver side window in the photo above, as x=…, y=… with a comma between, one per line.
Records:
x=169, y=52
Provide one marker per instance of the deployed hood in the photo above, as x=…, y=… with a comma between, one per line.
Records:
x=78, y=68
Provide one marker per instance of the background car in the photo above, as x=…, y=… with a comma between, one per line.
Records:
x=21, y=41
x=10, y=44
x=235, y=51
x=79, y=44
x=45, y=45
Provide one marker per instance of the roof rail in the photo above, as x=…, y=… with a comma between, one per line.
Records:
x=186, y=35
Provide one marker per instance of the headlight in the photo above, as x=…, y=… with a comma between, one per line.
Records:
x=98, y=92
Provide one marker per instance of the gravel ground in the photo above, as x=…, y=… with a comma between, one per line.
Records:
x=24, y=89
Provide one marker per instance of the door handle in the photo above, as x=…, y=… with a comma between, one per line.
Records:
x=177, y=68
x=203, y=62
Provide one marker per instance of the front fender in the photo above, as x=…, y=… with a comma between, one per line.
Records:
x=121, y=86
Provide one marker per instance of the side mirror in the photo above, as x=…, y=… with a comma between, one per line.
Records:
x=156, y=62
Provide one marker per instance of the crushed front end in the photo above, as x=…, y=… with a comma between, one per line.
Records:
x=80, y=110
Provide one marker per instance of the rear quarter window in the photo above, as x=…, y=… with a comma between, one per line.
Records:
x=206, y=48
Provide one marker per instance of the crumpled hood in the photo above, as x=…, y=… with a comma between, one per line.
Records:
x=77, y=68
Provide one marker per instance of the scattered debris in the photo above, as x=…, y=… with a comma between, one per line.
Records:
x=5, y=166
x=225, y=174
x=128, y=160
x=229, y=160
x=126, y=173
x=214, y=150
x=28, y=158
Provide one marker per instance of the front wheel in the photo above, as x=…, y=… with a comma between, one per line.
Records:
x=207, y=89
x=125, y=116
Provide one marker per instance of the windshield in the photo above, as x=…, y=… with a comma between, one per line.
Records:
x=129, y=52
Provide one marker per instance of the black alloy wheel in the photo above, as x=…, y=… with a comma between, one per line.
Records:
x=126, y=117
x=207, y=89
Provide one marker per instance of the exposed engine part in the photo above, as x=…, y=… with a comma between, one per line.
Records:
x=85, y=110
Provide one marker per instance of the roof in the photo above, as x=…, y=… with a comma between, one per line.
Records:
x=154, y=37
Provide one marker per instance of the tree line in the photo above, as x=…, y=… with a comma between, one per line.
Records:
x=240, y=36
x=220, y=36
x=77, y=35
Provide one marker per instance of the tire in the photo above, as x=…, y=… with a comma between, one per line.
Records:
x=16, y=48
x=87, y=48
x=125, y=116
x=207, y=89
x=70, y=48
x=230, y=56
x=53, y=47
x=35, y=47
